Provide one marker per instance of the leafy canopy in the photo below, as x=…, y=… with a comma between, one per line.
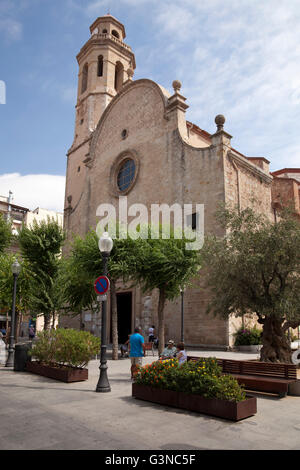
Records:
x=255, y=267
x=5, y=234
x=41, y=248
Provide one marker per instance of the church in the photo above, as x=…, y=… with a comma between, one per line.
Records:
x=132, y=139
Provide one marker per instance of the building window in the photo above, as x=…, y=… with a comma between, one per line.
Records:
x=100, y=66
x=104, y=31
x=126, y=175
x=115, y=33
x=124, y=134
x=84, y=81
x=191, y=220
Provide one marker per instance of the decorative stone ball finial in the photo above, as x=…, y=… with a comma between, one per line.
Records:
x=176, y=85
x=220, y=120
x=130, y=73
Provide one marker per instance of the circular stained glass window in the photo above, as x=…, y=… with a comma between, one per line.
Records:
x=126, y=175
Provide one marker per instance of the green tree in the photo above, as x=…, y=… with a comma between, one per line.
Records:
x=166, y=265
x=23, y=294
x=85, y=264
x=41, y=248
x=5, y=234
x=255, y=269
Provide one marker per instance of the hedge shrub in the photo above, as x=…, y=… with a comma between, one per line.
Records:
x=248, y=337
x=65, y=347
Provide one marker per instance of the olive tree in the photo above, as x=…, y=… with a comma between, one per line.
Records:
x=255, y=269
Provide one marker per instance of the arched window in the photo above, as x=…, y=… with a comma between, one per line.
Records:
x=126, y=174
x=84, y=80
x=115, y=33
x=100, y=66
x=119, y=71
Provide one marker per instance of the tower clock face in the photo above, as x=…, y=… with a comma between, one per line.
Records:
x=95, y=31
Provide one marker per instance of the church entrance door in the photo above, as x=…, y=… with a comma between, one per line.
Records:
x=124, y=307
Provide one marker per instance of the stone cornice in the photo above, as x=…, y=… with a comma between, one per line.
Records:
x=242, y=162
x=81, y=100
x=106, y=39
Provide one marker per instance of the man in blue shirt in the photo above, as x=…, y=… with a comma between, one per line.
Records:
x=137, y=351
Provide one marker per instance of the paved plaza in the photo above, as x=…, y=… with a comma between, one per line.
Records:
x=41, y=413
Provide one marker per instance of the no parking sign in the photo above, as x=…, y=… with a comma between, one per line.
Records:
x=101, y=285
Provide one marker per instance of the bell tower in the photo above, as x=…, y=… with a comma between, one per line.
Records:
x=103, y=64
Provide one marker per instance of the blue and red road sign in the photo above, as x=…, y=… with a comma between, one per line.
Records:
x=101, y=285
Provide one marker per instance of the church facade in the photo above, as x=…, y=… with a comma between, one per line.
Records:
x=132, y=139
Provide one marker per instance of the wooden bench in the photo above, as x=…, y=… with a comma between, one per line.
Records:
x=149, y=347
x=259, y=376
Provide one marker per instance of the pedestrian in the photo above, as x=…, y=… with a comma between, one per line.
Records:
x=31, y=333
x=151, y=333
x=137, y=351
x=2, y=350
x=181, y=354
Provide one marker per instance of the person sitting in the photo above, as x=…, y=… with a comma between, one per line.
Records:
x=124, y=348
x=181, y=354
x=169, y=351
x=151, y=333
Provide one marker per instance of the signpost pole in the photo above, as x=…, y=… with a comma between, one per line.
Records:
x=103, y=383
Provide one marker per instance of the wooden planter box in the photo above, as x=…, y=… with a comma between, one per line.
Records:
x=64, y=374
x=211, y=406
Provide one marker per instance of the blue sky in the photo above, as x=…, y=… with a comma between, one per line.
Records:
x=240, y=58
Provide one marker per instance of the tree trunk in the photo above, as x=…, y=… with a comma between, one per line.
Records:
x=47, y=321
x=114, y=321
x=161, y=321
x=276, y=347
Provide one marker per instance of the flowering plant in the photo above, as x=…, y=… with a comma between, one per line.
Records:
x=247, y=336
x=203, y=377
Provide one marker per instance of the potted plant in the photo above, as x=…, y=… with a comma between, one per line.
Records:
x=248, y=339
x=63, y=354
x=196, y=386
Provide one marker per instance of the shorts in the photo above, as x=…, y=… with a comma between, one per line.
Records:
x=136, y=361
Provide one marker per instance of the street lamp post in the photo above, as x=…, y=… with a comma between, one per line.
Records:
x=105, y=246
x=182, y=314
x=16, y=269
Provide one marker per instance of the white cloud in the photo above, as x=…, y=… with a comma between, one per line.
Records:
x=240, y=59
x=11, y=29
x=31, y=191
x=68, y=94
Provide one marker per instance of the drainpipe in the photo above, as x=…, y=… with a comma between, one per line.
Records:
x=238, y=183
x=239, y=207
x=10, y=198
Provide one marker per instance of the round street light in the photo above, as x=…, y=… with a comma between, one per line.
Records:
x=105, y=243
x=105, y=246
